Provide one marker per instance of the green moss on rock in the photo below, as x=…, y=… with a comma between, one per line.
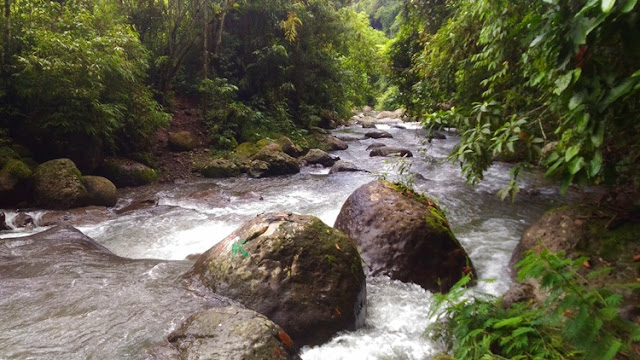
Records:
x=17, y=169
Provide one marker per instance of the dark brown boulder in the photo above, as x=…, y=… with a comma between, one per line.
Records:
x=294, y=269
x=3, y=222
x=403, y=235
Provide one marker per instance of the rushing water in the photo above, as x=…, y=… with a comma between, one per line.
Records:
x=39, y=320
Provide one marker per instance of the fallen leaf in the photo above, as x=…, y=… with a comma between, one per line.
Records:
x=338, y=247
x=636, y=258
x=286, y=340
x=586, y=264
x=277, y=352
x=338, y=312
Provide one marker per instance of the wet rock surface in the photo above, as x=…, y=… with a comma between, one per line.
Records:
x=403, y=236
x=294, y=269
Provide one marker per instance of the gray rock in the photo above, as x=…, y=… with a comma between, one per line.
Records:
x=376, y=145
x=317, y=156
x=294, y=269
x=23, y=220
x=231, y=333
x=220, y=168
x=391, y=151
x=3, y=223
x=344, y=166
x=125, y=172
x=277, y=163
x=377, y=134
x=403, y=236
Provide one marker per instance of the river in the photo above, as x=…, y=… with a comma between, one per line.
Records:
x=44, y=316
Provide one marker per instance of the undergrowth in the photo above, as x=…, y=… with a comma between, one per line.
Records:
x=575, y=321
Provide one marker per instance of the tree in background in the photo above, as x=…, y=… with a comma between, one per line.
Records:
x=521, y=74
x=73, y=81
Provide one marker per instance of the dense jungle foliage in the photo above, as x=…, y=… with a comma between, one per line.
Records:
x=513, y=76
x=97, y=77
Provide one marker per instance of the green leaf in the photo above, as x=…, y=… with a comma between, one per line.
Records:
x=613, y=350
x=595, y=164
x=571, y=152
x=575, y=165
x=576, y=100
x=562, y=83
x=628, y=6
x=607, y=5
x=598, y=137
x=618, y=91
x=508, y=322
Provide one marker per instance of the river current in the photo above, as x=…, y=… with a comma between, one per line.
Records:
x=65, y=314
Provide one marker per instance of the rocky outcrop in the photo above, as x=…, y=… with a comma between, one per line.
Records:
x=182, y=141
x=58, y=185
x=377, y=134
x=403, y=235
x=231, y=333
x=294, y=269
x=391, y=151
x=271, y=163
x=220, y=168
x=126, y=172
x=317, y=156
x=100, y=191
x=344, y=166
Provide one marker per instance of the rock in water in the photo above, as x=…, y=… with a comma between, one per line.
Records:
x=317, y=156
x=377, y=134
x=100, y=191
x=277, y=163
x=231, y=333
x=391, y=151
x=294, y=269
x=405, y=236
x=125, y=172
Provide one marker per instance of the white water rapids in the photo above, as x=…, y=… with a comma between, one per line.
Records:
x=182, y=224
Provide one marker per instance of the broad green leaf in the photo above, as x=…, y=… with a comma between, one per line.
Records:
x=576, y=100
x=537, y=40
x=575, y=165
x=607, y=5
x=562, y=83
x=580, y=30
x=598, y=136
x=571, y=152
x=628, y=6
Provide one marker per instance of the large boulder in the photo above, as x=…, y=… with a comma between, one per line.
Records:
x=278, y=163
x=317, y=156
x=182, y=141
x=100, y=191
x=220, y=168
x=231, y=333
x=58, y=185
x=289, y=147
x=294, y=269
x=391, y=151
x=403, y=235
x=125, y=172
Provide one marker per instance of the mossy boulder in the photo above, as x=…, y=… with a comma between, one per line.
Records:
x=246, y=149
x=231, y=333
x=15, y=183
x=403, y=235
x=294, y=269
x=6, y=154
x=58, y=185
x=220, y=168
x=125, y=172
x=182, y=141
x=278, y=163
x=100, y=191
